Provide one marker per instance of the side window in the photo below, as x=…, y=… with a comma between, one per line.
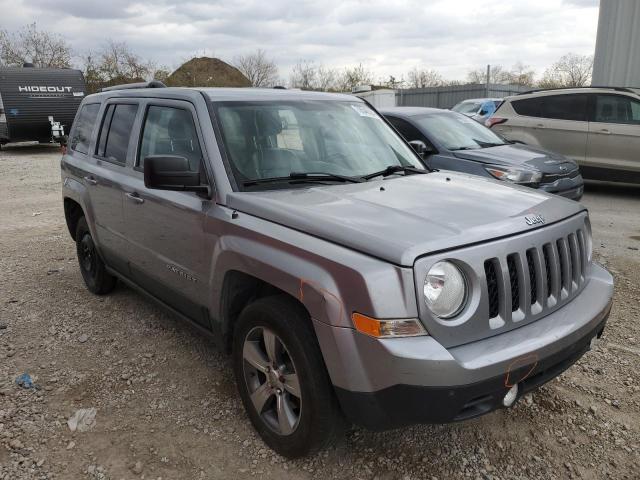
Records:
x=83, y=127
x=565, y=107
x=408, y=131
x=170, y=131
x=616, y=109
x=115, y=132
x=529, y=107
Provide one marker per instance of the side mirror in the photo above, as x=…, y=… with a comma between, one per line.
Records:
x=171, y=172
x=421, y=148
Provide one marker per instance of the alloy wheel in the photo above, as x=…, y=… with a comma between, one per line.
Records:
x=272, y=380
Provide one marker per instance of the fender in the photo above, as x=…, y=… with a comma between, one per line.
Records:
x=331, y=281
x=76, y=191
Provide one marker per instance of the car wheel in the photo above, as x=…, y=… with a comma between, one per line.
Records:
x=282, y=378
x=92, y=268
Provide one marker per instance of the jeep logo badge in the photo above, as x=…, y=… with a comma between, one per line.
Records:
x=534, y=219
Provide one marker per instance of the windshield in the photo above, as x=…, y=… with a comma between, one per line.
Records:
x=271, y=139
x=457, y=132
x=467, y=108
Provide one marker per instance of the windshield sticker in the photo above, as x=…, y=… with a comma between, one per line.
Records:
x=364, y=111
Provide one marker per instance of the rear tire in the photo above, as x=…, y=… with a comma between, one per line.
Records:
x=92, y=268
x=282, y=379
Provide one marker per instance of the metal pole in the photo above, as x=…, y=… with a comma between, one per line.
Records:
x=488, y=77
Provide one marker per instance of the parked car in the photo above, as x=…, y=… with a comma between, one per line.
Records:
x=345, y=278
x=477, y=108
x=452, y=141
x=597, y=127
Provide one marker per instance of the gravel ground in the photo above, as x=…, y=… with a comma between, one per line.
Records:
x=166, y=402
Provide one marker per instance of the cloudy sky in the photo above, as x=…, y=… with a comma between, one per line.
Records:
x=389, y=38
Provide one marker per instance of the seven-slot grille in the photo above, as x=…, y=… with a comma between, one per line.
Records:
x=526, y=283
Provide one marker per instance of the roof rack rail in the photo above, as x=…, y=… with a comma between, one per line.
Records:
x=619, y=89
x=128, y=86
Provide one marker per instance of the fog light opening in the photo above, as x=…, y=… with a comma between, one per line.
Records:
x=511, y=396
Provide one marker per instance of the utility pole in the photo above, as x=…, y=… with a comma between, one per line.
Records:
x=488, y=79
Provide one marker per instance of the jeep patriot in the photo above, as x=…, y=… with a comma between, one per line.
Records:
x=348, y=281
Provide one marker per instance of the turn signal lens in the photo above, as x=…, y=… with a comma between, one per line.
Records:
x=387, y=328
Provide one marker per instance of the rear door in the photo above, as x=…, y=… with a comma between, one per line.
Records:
x=614, y=133
x=559, y=123
x=167, y=250
x=106, y=178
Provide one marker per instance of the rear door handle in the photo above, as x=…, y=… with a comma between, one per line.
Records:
x=540, y=125
x=605, y=131
x=134, y=197
x=90, y=180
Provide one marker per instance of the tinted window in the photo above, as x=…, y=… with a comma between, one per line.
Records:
x=616, y=109
x=170, y=131
x=565, y=107
x=83, y=127
x=408, y=131
x=558, y=107
x=529, y=107
x=117, y=125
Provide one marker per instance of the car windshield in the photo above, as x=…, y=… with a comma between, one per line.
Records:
x=275, y=139
x=458, y=132
x=467, y=108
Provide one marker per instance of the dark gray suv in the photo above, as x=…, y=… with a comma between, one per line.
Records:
x=346, y=279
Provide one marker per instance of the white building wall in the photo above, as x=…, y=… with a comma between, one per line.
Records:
x=617, y=58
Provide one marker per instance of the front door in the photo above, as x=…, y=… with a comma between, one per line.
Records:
x=167, y=250
x=614, y=134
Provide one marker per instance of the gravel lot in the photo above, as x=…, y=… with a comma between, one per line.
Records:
x=166, y=401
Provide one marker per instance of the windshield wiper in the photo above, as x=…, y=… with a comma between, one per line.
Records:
x=391, y=169
x=297, y=177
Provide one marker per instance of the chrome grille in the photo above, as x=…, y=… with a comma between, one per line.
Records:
x=556, y=268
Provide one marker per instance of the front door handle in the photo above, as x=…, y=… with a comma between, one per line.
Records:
x=605, y=131
x=540, y=125
x=134, y=197
x=90, y=180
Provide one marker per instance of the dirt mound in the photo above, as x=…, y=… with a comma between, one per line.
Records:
x=207, y=72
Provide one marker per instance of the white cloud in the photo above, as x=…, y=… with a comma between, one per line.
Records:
x=390, y=38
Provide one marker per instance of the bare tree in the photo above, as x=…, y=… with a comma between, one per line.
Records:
x=423, y=78
x=258, y=68
x=521, y=74
x=304, y=76
x=326, y=79
x=497, y=75
x=30, y=45
x=572, y=70
x=355, y=76
x=115, y=63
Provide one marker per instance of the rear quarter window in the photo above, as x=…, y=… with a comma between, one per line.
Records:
x=83, y=126
x=529, y=107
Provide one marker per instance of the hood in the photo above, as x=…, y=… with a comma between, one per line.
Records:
x=521, y=155
x=413, y=215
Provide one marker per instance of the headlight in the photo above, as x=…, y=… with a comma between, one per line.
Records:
x=445, y=289
x=515, y=175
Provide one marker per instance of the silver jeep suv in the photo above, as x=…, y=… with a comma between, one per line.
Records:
x=346, y=279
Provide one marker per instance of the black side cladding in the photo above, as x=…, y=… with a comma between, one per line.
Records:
x=29, y=96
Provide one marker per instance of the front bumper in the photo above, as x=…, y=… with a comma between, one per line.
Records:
x=572, y=188
x=383, y=384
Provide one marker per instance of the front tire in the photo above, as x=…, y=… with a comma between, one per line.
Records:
x=92, y=268
x=282, y=379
